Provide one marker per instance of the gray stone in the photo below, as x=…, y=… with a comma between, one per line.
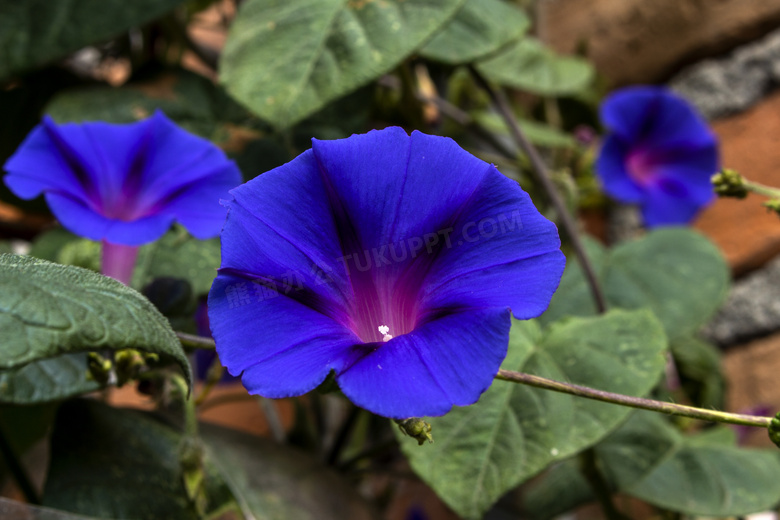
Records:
x=624, y=223
x=752, y=309
x=719, y=87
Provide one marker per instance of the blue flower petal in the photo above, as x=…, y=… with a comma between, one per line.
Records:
x=316, y=237
x=477, y=219
x=139, y=176
x=187, y=175
x=660, y=154
x=693, y=168
x=668, y=204
x=654, y=117
x=280, y=345
x=198, y=207
x=449, y=361
x=499, y=250
x=280, y=229
x=365, y=177
x=81, y=220
x=47, y=160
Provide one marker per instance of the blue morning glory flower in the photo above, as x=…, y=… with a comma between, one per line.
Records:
x=659, y=154
x=394, y=261
x=124, y=184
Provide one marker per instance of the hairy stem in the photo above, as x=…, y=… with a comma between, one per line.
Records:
x=501, y=104
x=193, y=341
x=190, y=412
x=761, y=189
x=634, y=402
x=190, y=340
x=213, y=377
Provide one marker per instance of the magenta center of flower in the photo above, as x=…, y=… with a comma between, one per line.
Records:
x=640, y=167
x=123, y=207
x=123, y=195
x=385, y=296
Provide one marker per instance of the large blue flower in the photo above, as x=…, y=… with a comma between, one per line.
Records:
x=659, y=154
x=391, y=260
x=125, y=184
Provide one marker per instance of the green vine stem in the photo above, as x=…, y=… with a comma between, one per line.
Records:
x=195, y=342
x=190, y=412
x=583, y=391
x=634, y=402
x=762, y=189
x=501, y=104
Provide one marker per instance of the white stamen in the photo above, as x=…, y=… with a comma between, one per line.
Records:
x=384, y=330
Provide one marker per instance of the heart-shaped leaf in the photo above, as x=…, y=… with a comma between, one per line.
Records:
x=285, y=59
x=46, y=380
x=704, y=474
x=481, y=27
x=528, y=65
x=115, y=463
x=49, y=310
x=515, y=431
x=676, y=272
x=35, y=32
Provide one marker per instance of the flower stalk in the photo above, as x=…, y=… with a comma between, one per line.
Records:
x=729, y=183
x=634, y=402
x=118, y=261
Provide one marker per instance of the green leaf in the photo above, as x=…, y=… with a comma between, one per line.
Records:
x=24, y=426
x=701, y=375
x=695, y=475
x=676, y=272
x=559, y=490
x=515, y=431
x=13, y=509
x=47, y=310
x=480, y=28
x=46, y=380
x=178, y=255
x=35, y=32
x=118, y=463
x=114, y=463
x=286, y=59
x=528, y=65
x=538, y=133
x=275, y=482
x=191, y=100
x=47, y=245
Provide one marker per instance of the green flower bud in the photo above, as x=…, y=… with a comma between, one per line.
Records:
x=774, y=430
x=729, y=183
x=99, y=368
x=417, y=428
x=129, y=363
x=773, y=205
